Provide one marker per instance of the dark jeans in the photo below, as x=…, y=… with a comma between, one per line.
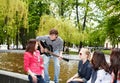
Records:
x=75, y=82
x=39, y=79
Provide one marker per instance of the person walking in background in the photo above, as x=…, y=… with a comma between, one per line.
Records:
x=84, y=68
x=57, y=44
x=33, y=62
x=100, y=73
x=115, y=65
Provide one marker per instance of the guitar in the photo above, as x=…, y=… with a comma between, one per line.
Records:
x=45, y=46
x=50, y=50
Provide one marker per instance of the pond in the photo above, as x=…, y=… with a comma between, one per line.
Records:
x=14, y=62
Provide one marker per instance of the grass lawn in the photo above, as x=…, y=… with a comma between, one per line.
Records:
x=107, y=52
x=71, y=53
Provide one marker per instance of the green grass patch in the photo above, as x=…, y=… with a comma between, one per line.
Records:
x=71, y=53
x=107, y=52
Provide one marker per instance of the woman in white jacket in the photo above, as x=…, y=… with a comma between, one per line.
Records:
x=101, y=71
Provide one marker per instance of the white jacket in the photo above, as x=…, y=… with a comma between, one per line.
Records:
x=102, y=77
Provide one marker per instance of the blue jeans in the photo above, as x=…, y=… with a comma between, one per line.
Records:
x=56, y=68
x=39, y=79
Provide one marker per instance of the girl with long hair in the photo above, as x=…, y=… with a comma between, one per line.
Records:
x=101, y=71
x=33, y=62
x=115, y=65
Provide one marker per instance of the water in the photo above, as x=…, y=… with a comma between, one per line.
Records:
x=14, y=62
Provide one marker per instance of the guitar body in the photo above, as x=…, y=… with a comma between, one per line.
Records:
x=45, y=45
x=50, y=50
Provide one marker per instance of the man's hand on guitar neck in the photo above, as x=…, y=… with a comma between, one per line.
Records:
x=46, y=50
x=60, y=56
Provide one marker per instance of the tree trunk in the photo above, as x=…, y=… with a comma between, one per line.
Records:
x=23, y=37
x=8, y=41
x=85, y=16
x=17, y=40
x=17, y=35
x=62, y=8
x=78, y=24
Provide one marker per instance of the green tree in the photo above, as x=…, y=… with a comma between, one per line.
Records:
x=63, y=26
x=96, y=37
x=112, y=29
x=13, y=13
x=36, y=9
x=111, y=21
x=62, y=8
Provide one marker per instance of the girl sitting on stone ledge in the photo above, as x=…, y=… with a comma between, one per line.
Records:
x=84, y=68
x=33, y=62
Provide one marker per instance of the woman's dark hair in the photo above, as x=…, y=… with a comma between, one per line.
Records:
x=115, y=62
x=53, y=31
x=98, y=61
x=31, y=45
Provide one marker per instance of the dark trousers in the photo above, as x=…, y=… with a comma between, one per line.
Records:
x=39, y=79
x=75, y=82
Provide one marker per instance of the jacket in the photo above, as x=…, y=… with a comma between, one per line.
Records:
x=33, y=62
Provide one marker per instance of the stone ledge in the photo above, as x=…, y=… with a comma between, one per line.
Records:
x=11, y=77
x=15, y=75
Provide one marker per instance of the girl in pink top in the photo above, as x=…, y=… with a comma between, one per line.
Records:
x=33, y=62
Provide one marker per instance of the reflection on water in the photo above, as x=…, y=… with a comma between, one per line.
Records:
x=11, y=62
x=14, y=62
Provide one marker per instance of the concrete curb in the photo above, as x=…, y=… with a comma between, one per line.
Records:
x=11, y=77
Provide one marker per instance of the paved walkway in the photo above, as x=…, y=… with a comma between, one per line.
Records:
x=16, y=51
x=107, y=58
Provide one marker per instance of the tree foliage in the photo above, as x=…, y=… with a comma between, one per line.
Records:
x=36, y=9
x=66, y=29
x=13, y=15
x=111, y=20
x=86, y=21
x=113, y=29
